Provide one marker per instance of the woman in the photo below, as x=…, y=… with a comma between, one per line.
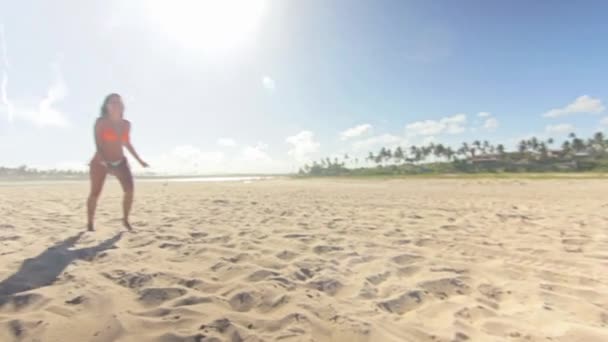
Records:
x=111, y=134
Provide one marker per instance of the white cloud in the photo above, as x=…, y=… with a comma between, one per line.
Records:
x=255, y=153
x=428, y=140
x=268, y=83
x=449, y=125
x=374, y=143
x=4, y=100
x=226, y=142
x=582, y=104
x=48, y=114
x=355, y=132
x=491, y=124
x=45, y=112
x=3, y=47
x=604, y=122
x=255, y=159
x=560, y=129
x=303, y=145
x=188, y=159
x=484, y=114
x=5, y=103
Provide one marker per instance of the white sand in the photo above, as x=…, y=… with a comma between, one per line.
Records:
x=418, y=260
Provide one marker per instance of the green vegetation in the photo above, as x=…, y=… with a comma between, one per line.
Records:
x=24, y=172
x=532, y=156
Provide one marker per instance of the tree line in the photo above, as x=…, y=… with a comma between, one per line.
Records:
x=531, y=154
x=25, y=171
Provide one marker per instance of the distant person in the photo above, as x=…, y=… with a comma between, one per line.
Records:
x=112, y=132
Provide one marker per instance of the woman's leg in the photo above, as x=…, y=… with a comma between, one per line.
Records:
x=123, y=173
x=97, y=173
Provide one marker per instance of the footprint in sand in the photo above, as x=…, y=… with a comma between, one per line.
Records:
x=242, y=302
x=21, y=329
x=329, y=286
x=9, y=238
x=475, y=314
x=406, y=302
x=172, y=246
x=76, y=300
x=157, y=296
x=368, y=292
x=223, y=326
x=447, y=287
x=131, y=280
x=28, y=301
x=198, y=235
x=171, y=337
x=379, y=278
x=406, y=259
x=326, y=249
x=190, y=301
x=261, y=275
x=286, y=255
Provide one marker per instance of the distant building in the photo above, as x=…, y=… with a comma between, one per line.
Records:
x=582, y=154
x=486, y=159
x=557, y=153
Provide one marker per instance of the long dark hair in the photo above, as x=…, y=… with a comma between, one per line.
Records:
x=104, y=107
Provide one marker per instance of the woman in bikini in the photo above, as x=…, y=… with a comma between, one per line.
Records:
x=111, y=134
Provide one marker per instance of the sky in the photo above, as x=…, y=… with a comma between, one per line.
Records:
x=267, y=85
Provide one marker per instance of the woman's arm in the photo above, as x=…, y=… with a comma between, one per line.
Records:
x=97, y=133
x=130, y=147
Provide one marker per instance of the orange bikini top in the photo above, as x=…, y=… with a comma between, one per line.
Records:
x=108, y=134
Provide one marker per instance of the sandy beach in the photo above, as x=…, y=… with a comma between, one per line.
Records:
x=308, y=260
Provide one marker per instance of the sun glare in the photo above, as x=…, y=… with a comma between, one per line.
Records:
x=215, y=26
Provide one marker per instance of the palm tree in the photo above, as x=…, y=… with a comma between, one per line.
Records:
x=426, y=151
x=388, y=155
x=464, y=150
x=522, y=147
x=473, y=151
x=477, y=145
x=486, y=147
x=578, y=145
x=414, y=152
x=371, y=157
x=501, y=151
x=544, y=151
x=599, y=138
x=567, y=147
x=380, y=156
x=440, y=151
x=599, y=142
x=399, y=155
x=450, y=153
x=417, y=153
x=533, y=144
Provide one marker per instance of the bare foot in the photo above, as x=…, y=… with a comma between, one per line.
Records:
x=125, y=222
x=90, y=227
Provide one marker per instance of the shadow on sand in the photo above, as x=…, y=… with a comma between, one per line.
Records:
x=44, y=269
